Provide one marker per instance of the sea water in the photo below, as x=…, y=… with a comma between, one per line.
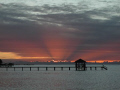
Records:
x=60, y=80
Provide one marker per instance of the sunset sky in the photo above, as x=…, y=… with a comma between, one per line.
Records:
x=43, y=30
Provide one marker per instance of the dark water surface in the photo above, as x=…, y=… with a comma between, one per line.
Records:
x=61, y=80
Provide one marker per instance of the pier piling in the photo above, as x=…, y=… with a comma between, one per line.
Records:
x=90, y=68
x=101, y=68
x=46, y=68
x=69, y=68
x=38, y=68
x=61, y=68
x=95, y=68
x=6, y=68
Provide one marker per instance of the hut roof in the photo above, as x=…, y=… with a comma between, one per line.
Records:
x=79, y=60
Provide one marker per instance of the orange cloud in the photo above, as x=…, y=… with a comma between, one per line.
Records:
x=12, y=55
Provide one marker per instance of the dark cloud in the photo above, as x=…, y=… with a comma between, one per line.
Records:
x=61, y=28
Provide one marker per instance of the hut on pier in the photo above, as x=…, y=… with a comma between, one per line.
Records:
x=80, y=65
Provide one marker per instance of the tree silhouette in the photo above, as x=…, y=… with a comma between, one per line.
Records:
x=1, y=61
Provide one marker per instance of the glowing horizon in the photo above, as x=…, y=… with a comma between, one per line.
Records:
x=59, y=30
x=14, y=56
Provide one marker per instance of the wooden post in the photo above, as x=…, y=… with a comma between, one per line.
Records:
x=30, y=68
x=38, y=68
x=54, y=68
x=61, y=68
x=76, y=66
x=69, y=68
x=22, y=68
x=84, y=66
x=95, y=68
x=90, y=68
x=14, y=68
x=6, y=68
x=101, y=68
x=46, y=69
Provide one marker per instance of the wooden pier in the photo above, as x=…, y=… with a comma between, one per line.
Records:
x=95, y=67
x=54, y=68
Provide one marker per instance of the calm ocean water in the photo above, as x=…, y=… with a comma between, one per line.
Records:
x=60, y=80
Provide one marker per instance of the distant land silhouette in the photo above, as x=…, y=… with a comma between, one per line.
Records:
x=51, y=62
x=5, y=64
x=57, y=63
